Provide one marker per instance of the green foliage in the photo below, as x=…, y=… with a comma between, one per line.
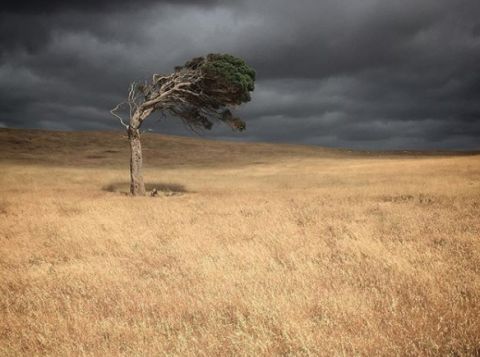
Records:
x=227, y=78
x=234, y=71
x=216, y=82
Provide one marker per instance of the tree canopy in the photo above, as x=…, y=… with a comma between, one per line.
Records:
x=202, y=91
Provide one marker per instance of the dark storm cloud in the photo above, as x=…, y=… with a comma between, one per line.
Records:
x=370, y=74
x=28, y=7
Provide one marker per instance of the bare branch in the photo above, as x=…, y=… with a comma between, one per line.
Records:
x=131, y=93
x=158, y=99
x=118, y=116
x=156, y=78
x=188, y=92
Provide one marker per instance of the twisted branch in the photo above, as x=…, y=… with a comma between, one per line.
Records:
x=118, y=116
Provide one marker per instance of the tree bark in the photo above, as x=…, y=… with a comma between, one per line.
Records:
x=137, y=186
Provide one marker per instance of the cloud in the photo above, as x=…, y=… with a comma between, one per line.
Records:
x=370, y=74
x=49, y=6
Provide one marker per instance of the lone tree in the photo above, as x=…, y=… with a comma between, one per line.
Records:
x=200, y=92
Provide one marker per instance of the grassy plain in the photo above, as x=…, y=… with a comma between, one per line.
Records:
x=251, y=249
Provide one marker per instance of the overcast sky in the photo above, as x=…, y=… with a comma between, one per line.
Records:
x=371, y=74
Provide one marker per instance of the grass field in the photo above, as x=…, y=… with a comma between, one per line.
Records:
x=251, y=249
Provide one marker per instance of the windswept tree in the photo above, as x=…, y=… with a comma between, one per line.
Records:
x=202, y=91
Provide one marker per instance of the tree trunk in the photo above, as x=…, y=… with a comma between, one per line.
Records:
x=137, y=186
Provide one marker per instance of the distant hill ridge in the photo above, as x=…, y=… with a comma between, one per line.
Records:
x=94, y=148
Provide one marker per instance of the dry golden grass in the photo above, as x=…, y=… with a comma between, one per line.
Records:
x=254, y=249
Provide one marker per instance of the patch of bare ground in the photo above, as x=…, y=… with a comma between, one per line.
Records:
x=267, y=249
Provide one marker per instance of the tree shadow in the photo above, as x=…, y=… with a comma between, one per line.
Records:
x=167, y=189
